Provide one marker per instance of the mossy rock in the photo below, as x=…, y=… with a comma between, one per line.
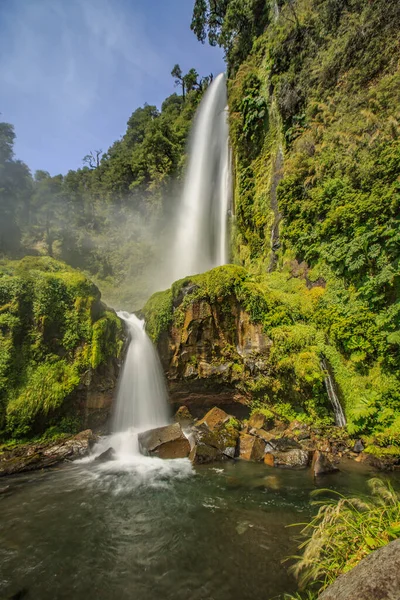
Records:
x=54, y=330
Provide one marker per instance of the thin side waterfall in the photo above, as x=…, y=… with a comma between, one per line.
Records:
x=142, y=396
x=201, y=238
x=340, y=419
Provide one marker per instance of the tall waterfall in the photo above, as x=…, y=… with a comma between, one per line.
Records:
x=340, y=419
x=201, y=239
x=142, y=395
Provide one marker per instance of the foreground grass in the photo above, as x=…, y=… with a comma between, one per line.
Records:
x=342, y=533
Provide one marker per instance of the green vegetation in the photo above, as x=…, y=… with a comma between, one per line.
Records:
x=318, y=81
x=53, y=330
x=343, y=532
x=110, y=218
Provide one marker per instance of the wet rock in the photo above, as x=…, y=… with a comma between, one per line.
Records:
x=165, y=442
x=376, y=577
x=106, y=456
x=321, y=464
x=29, y=457
x=382, y=462
x=358, y=447
x=269, y=459
x=4, y=489
x=283, y=444
x=267, y=436
x=258, y=420
x=292, y=459
x=214, y=419
x=203, y=454
x=183, y=416
x=224, y=437
x=251, y=447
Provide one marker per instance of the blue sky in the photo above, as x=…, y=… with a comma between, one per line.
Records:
x=72, y=71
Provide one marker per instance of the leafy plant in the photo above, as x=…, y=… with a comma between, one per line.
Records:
x=344, y=531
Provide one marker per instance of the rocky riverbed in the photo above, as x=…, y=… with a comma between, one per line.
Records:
x=214, y=438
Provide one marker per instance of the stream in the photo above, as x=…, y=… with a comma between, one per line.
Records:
x=149, y=529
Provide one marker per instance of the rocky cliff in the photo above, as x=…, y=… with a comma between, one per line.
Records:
x=227, y=337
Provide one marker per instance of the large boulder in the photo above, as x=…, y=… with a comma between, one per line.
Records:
x=258, y=420
x=204, y=454
x=165, y=442
x=322, y=464
x=376, y=577
x=251, y=447
x=214, y=419
x=216, y=437
x=30, y=457
x=291, y=459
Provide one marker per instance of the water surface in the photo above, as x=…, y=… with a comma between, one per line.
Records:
x=150, y=529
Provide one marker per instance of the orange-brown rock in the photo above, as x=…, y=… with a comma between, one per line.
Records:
x=251, y=447
x=165, y=442
x=269, y=460
x=214, y=419
x=257, y=420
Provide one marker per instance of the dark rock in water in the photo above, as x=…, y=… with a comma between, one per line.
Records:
x=204, y=454
x=291, y=459
x=106, y=456
x=251, y=447
x=223, y=437
x=358, y=447
x=29, y=457
x=381, y=462
x=183, y=416
x=321, y=464
x=19, y=595
x=376, y=577
x=165, y=442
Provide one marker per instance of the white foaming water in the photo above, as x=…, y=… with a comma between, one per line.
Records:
x=201, y=240
x=340, y=418
x=142, y=400
x=141, y=404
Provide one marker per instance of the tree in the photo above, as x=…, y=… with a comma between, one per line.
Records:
x=179, y=79
x=92, y=160
x=191, y=80
x=231, y=24
x=15, y=185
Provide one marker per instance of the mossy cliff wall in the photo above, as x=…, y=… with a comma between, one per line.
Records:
x=230, y=335
x=59, y=346
x=315, y=130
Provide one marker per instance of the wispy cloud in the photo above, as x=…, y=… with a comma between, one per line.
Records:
x=72, y=71
x=63, y=53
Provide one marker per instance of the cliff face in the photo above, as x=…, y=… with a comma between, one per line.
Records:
x=216, y=350
x=227, y=336
x=59, y=350
x=315, y=130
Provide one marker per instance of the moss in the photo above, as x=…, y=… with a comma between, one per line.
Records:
x=158, y=313
x=53, y=328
